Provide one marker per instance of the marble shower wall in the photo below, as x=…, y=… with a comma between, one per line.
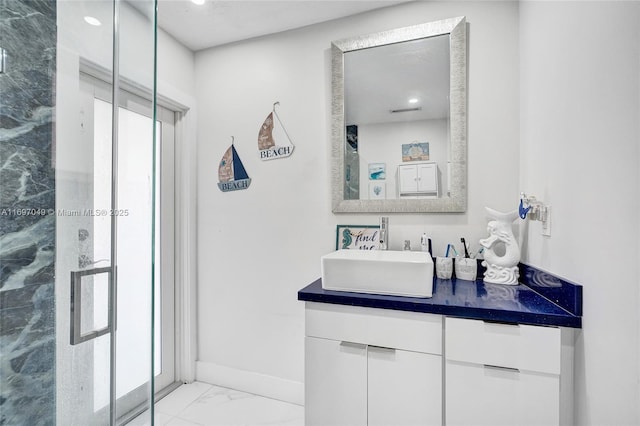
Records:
x=27, y=216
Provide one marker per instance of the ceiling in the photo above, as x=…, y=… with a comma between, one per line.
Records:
x=220, y=22
x=383, y=84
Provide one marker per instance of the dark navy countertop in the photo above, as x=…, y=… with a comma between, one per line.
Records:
x=543, y=300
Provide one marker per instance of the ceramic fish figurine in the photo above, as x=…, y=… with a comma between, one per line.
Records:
x=502, y=252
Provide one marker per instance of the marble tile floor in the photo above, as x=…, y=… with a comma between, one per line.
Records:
x=202, y=404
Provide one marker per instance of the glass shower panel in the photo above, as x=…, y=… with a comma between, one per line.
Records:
x=83, y=173
x=134, y=211
x=104, y=211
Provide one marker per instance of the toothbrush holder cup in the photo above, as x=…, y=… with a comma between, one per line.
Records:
x=466, y=268
x=444, y=267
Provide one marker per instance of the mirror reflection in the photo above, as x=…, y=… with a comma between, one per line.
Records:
x=396, y=100
x=399, y=120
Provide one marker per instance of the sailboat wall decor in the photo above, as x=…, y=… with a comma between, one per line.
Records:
x=231, y=172
x=271, y=136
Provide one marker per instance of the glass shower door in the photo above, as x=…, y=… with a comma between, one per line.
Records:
x=105, y=198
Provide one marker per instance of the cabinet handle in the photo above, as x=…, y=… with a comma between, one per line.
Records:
x=498, y=367
x=381, y=348
x=352, y=345
x=506, y=324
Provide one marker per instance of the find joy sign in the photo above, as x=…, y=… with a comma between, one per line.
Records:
x=357, y=237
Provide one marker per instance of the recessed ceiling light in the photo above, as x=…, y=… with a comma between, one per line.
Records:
x=198, y=2
x=92, y=21
x=413, y=100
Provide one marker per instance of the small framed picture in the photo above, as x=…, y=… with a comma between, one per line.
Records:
x=416, y=151
x=357, y=237
x=377, y=190
x=377, y=171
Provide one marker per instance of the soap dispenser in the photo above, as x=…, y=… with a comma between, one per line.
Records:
x=425, y=243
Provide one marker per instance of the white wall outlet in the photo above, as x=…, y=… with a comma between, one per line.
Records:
x=546, y=224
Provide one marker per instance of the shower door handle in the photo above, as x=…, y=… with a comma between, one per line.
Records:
x=77, y=336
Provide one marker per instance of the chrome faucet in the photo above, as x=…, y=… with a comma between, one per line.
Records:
x=384, y=233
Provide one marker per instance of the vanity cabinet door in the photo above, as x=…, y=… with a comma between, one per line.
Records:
x=405, y=388
x=392, y=376
x=335, y=383
x=484, y=395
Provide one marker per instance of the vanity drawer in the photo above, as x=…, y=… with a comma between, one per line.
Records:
x=411, y=331
x=489, y=396
x=523, y=347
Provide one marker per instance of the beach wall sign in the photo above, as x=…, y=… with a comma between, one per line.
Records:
x=273, y=139
x=232, y=175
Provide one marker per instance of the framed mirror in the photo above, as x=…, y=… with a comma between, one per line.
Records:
x=399, y=120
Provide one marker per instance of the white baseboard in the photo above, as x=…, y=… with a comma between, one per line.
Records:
x=252, y=382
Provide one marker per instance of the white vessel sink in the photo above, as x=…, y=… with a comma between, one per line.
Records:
x=400, y=273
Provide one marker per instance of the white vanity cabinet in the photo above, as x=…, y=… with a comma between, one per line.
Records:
x=366, y=366
x=418, y=179
x=370, y=366
x=507, y=374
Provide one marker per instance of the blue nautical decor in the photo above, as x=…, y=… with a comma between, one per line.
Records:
x=231, y=172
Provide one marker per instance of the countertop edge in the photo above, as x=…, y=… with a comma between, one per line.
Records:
x=405, y=304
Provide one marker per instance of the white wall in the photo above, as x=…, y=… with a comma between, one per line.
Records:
x=551, y=84
x=579, y=135
x=258, y=247
x=382, y=143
